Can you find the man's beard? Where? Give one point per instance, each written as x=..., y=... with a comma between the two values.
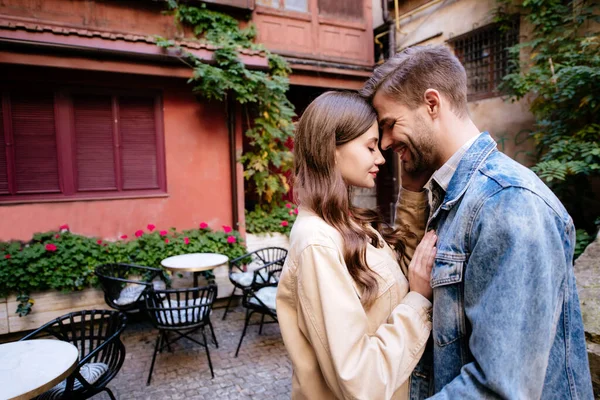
x=421, y=150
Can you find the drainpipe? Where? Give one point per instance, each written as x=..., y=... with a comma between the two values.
x=391, y=28
x=232, y=160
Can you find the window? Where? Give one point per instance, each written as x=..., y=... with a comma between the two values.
x=348, y=9
x=62, y=144
x=484, y=54
x=288, y=5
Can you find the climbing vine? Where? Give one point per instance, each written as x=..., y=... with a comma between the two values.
x=559, y=71
x=264, y=93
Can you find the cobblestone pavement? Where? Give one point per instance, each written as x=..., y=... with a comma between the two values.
x=261, y=371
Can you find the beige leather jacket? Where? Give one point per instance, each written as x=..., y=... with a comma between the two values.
x=338, y=349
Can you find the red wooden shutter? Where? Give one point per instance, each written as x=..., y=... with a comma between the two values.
x=36, y=166
x=137, y=124
x=3, y=164
x=94, y=150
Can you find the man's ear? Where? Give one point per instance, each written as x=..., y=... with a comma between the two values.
x=433, y=100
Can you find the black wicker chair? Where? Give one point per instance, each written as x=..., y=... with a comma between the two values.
x=121, y=291
x=96, y=333
x=183, y=312
x=259, y=297
x=241, y=269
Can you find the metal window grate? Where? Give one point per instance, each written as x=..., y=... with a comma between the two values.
x=484, y=54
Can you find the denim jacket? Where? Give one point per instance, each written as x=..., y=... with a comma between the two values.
x=506, y=315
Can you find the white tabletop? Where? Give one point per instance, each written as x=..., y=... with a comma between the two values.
x=31, y=367
x=194, y=262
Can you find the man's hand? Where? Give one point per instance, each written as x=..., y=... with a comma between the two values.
x=414, y=181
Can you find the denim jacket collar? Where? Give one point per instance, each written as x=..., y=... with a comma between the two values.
x=470, y=162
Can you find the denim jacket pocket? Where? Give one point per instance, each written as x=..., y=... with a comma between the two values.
x=446, y=281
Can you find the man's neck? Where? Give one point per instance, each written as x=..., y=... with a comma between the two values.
x=457, y=134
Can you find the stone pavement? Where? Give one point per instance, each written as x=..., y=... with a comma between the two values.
x=261, y=371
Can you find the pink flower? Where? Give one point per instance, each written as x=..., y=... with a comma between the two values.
x=151, y=227
x=231, y=239
x=7, y=256
x=203, y=225
x=51, y=247
x=291, y=212
x=167, y=241
x=56, y=236
x=139, y=233
x=226, y=228
x=186, y=240
x=288, y=205
x=123, y=236
x=163, y=233
x=284, y=223
x=99, y=241
x=64, y=227
x=296, y=211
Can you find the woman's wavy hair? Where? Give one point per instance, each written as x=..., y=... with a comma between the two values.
x=332, y=119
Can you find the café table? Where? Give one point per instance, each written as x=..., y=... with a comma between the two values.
x=29, y=368
x=194, y=262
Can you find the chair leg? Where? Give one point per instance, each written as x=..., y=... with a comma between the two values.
x=110, y=393
x=262, y=320
x=248, y=315
x=228, y=303
x=212, y=332
x=166, y=339
x=158, y=340
x=208, y=354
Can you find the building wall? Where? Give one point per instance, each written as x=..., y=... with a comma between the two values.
x=197, y=170
x=141, y=18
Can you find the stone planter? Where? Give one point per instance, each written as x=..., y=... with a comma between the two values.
x=259, y=241
x=48, y=305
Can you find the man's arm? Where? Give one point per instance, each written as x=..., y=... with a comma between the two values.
x=513, y=291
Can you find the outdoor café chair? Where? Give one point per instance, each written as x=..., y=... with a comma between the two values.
x=96, y=334
x=241, y=269
x=259, y=296
x=182, y=312
x=124, y=285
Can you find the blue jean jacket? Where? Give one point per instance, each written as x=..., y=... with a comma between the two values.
x=506, y=315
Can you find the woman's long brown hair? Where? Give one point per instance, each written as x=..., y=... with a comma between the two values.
x=332, y=119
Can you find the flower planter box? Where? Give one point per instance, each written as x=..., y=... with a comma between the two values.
x=259, y=241
x=48, y=305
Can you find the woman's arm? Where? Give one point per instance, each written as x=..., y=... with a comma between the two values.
x=412, y=210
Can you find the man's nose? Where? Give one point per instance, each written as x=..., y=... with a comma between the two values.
x=386, y=141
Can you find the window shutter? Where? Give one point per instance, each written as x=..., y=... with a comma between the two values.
x=34, y=135
x=137, y=124
x=94, y=152
x=3, y=162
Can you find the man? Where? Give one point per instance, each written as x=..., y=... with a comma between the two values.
x=506, y=316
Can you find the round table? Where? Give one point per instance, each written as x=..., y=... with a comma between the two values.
x=31, y=367
x=194, y=262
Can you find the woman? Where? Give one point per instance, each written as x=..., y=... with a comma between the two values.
x=349, y=322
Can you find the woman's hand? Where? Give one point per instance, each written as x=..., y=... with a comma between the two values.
x=419, y=270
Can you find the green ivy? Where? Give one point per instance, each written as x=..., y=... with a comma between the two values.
x=560, y=69
x=65, y=261
x=264, y=92
x=278, y=219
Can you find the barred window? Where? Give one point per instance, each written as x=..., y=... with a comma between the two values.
x=484, y=54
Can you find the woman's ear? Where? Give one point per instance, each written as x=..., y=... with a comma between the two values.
x=433, y=100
